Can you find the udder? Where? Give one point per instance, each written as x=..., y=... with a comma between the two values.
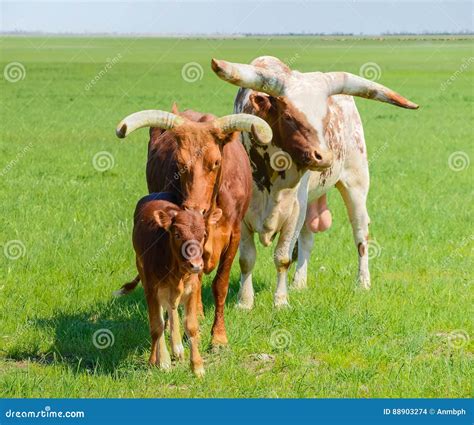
x=318, y=216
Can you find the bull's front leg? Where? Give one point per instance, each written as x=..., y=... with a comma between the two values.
x=284, y=250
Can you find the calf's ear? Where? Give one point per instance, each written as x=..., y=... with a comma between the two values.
x=163, y=218
x=215, y=216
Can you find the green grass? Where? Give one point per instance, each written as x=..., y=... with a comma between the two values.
x=75, y=224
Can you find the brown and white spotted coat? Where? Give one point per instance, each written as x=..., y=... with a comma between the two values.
x=317, y=129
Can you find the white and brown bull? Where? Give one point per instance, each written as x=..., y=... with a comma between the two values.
x=318, y=142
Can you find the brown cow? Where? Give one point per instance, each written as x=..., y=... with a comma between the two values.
x=168, y=243
x=201, y=161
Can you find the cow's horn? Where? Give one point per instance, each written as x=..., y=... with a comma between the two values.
x=260, y=130
x=346, y=83
x=149, y=118
x=250, y=76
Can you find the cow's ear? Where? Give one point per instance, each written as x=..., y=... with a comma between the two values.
x=163, y=218
x=215, y=216
x=261, y=103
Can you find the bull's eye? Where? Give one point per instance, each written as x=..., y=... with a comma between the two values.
x=176, y=236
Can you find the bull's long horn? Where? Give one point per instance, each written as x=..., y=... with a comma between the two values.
x=346, y=83
x=149, y=118
x=250, y=76
x=260, y=130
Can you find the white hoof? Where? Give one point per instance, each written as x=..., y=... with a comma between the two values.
x=364, y=282
x=178, y=351
x=299, y=285
x=199, y=371
x=244, y=305
x=281, y=301
x=165, y=365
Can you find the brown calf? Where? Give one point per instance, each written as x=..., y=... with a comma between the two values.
x=200, y=160
x=168, y=243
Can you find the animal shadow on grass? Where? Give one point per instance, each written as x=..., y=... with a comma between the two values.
x=100, y=339
x=96, y=340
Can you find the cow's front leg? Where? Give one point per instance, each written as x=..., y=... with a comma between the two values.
x=284, y=250
x=248, y=256
x=355, y=198
x=220, y=288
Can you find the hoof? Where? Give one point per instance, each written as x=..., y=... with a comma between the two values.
x=219, y=340
x=281, y=301
x=244, y=305
x=364, y=282
x=165, y=365
x=178, y=352
x=198, y=371
x=299, y=285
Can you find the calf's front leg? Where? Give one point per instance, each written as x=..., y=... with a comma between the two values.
x=159, y=353
x=191, y=327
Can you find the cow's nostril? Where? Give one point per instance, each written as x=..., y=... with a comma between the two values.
x=317, y=156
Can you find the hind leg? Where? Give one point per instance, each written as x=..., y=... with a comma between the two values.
x=355, y=198
x=305, y=243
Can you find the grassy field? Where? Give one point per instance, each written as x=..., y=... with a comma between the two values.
x=66, y=209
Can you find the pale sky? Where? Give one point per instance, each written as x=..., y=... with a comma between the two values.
x=233, y=17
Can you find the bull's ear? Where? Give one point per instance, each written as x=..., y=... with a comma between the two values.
x=215, y=216
x=163, y=218
x=261, y=103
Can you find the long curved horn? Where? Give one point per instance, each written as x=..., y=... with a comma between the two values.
x=259, y=128
x=249, y=76
x=149, y=118
x=346, y=83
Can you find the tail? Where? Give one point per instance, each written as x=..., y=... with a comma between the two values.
x=127, y=288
